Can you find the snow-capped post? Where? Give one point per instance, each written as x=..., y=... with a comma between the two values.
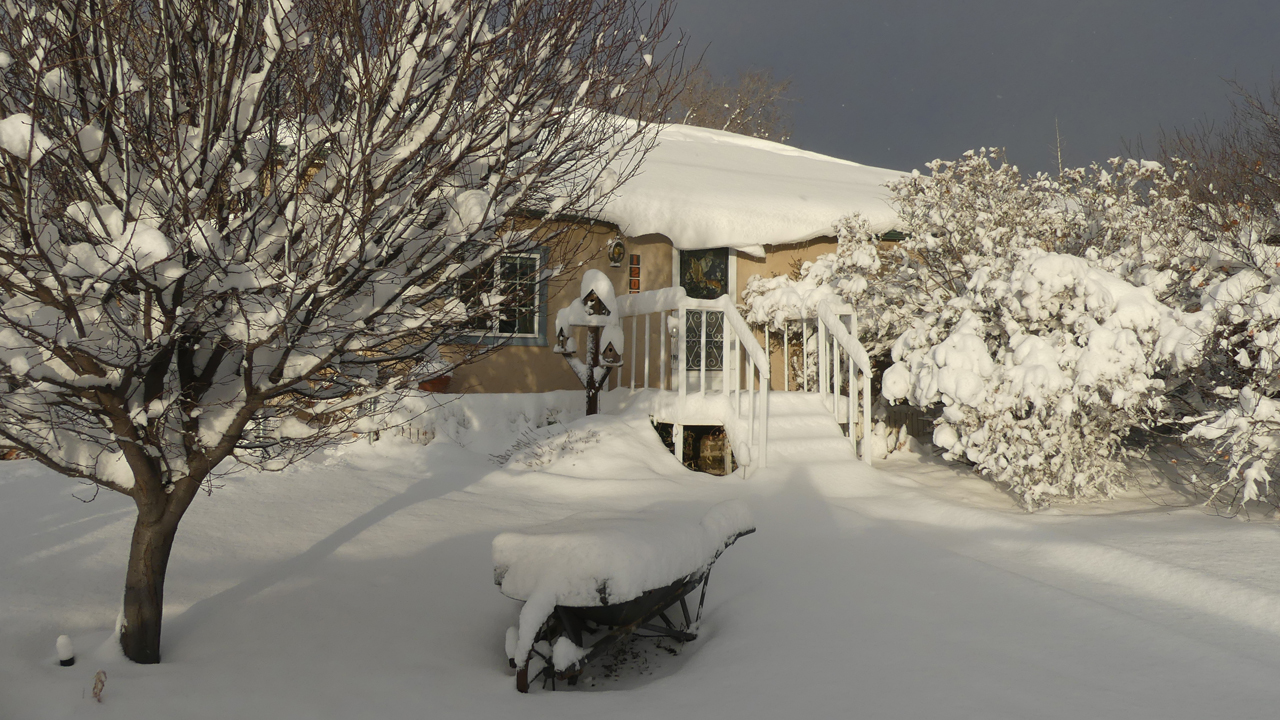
x=596, y=310
x=227, y=228
x=66, y=653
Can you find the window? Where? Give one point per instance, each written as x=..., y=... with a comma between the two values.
x=517, y=279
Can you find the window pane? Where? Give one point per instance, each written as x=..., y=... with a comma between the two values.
x=519, y=283
x=470, y=289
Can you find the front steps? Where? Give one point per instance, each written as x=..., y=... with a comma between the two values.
x=802, y=429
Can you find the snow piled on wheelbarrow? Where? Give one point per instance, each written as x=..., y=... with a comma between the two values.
x=592, y=559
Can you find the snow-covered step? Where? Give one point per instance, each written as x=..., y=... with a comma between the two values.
x=802, y=429
x=812, y=450
x=786, y=428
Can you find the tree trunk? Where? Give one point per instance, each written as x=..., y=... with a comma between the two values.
x=144, y=588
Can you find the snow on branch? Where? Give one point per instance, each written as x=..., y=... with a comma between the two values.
x=240, y=228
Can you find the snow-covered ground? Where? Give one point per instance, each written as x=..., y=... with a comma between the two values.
x=359, y=584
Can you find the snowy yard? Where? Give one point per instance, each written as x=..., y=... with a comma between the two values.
x=360, y=584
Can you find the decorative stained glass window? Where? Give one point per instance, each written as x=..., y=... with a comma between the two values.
x=704, y=274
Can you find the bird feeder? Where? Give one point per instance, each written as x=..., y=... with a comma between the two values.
x=595, y=310
x=609, y=357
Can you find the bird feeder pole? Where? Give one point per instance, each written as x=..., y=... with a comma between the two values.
x=604, y=336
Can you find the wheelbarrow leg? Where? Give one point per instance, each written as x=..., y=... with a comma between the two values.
x=522, y=678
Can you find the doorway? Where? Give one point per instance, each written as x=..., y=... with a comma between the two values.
x=704, y=275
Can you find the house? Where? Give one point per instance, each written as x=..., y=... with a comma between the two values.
x=707, y=211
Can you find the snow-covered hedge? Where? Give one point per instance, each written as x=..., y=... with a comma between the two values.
x=1041, y=371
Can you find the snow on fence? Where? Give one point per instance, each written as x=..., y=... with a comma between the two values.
x=833, y=363
x=842, y=357
x=658, y=357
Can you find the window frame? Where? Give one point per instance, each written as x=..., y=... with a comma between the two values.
x=538, y=338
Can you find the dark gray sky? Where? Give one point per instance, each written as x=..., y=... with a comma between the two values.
x=898, y=83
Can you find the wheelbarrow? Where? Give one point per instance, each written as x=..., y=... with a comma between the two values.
x=577, y=627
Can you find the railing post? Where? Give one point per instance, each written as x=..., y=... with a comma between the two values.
x=733, y=368
x=764, y=422
x=702, y=355
x=835, y=374
x=648, y=333
x=822, y=360
x=786, y=355
x=635, y=340
x=852, y=408
x=866, y=415
x=664, y=357
x=683, y=352
x=804, y=353
x=767, y=355
x=751, y=399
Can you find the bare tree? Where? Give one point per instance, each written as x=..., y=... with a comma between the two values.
x=1235, y=162
x=235, y=228
x=754, y=104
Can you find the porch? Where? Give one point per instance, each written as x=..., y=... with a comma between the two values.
x=696, y=362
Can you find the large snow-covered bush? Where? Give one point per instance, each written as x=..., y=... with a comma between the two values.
x=978, y=213
x=1211, y=366
x=1040, y=371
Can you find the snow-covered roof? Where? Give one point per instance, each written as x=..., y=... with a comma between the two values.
x=707, y=188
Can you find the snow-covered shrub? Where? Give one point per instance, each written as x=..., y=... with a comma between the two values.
x=969, y=214
x=536, y=447
x=1244, y=442
x=1217, y=260
x=1231, y=173
x=1232, y=294
x=1041, y=372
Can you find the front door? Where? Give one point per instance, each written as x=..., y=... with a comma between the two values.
x=704, y=274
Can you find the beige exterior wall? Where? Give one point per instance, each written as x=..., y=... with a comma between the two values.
x=537, y=369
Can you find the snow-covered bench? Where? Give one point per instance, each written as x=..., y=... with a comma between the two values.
x=591, y=579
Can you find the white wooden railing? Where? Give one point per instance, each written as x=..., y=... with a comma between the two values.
x=833, y=364
x=844, y=368
x=657, y=354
